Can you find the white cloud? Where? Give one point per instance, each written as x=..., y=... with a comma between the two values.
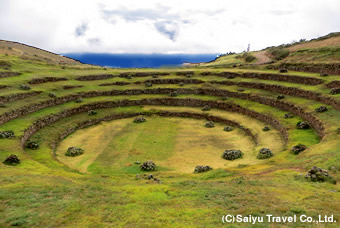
x=173, y=26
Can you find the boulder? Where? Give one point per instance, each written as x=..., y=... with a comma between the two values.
x=209, y=124
x=32, y=145
x=321, y=109
x=302, y=125
x=74, y=151
x=202, y=169
x=139, y=119
x=316, y=174
x=232, y=154
x=266, y=128
x=228, y=128
x=298, y=148
x=148, y=166
x=12, y=160
x=265, y=153
x=280, y=97
x=6, y=134
x=205, y=108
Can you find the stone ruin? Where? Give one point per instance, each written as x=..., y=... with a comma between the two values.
x=74, y=151
x=232, y=154
x=265, y=153
x=316, y=174
x=148, y=166
x=11, y=160
x=202, y=169
x=298, y=148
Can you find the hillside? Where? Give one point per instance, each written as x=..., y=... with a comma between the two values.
x=317, y=55
x=77, y=141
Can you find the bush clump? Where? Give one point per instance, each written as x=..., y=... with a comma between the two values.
x=181, y=84
x=52, y=95
x=173, y=94
x=32, y=145
x=25, y=87
x=232, y=154
x=148, y=166
x=266, y=128
x=335, y=91
x=265, y=153
x=209, y=124
x=280, y=97
x=228, y=128
x=316, y=174
x=321, y=109
x=288, y=115
x=148, y=84
x=139, y=119
x=11, y=160
x=283, y=70
x=298, y=148
x=278, y=53
x=202, y=169
x=92, y=113
x=205, y=108
x=79, y=100
x=6, y=134
x=74, y=151
x=302, y=125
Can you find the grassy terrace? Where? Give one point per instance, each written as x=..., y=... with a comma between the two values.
x=100, y=188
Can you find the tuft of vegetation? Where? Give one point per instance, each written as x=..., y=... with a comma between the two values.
x=278, y=53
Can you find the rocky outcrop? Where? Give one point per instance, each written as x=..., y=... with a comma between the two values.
x=45, y=79
x=12, y=160
x=317, y=174
x=148, y=166
x=232, y=154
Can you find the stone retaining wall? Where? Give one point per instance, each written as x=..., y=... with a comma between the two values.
x=46, y=79
x=95, y=77
x=18, y=96
x=8, y=74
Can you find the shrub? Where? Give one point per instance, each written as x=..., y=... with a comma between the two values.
x=278, y=53
x=283, y=70
x=302, y=125
x=323, y=74
x=298, y=148
x=249, y=58
x=209, y=124
x=321, y=109
x=11, y=160
x=288, y=115
x=79, y=100
x=92, y=113
x=232, y=154
x=266, y=128
x=52, y=95
x=228, y=128
x=240, y=90
x=32, y=145
x=265, y=153
x=139, y=119
x=154, y=76
x=74, y=151
x=173, y=94
x=316, y=174
x=201, y=169
x=181, y=84
x=205, y=108
x=280, y=97
x=148, y=166
x=6, y=134
x=148, y=84
x=25, y=87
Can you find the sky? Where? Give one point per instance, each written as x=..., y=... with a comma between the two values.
x=165, y=26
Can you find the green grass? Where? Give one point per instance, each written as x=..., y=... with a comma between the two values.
x=100, y=189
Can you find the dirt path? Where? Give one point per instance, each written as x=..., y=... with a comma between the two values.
x=261, y=57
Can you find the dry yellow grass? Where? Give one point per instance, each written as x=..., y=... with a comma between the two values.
x=331, y=42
